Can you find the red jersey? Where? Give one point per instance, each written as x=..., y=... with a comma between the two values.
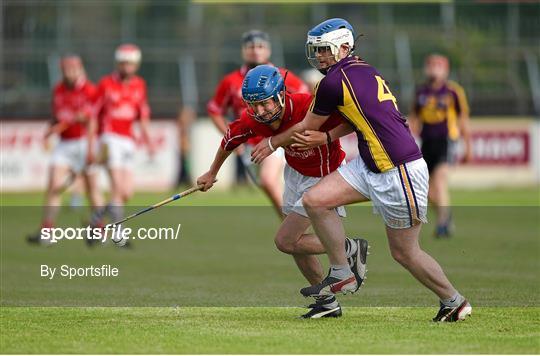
x=120, y=103
x=315, y=162
x=229, y=94
x=68, y=103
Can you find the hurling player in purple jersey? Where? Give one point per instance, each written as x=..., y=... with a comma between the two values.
x=389, y=171
x=440, y=116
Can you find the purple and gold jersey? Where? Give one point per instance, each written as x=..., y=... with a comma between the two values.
x=360, y=94
x=438, y=109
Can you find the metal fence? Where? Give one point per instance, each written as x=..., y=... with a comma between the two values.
x=494, y=48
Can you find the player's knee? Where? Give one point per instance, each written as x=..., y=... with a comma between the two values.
x=283, y=244
x=401, y=257
x=310, y=201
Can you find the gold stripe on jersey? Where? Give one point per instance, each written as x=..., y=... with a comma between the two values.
x=453, y=116
x=462, y=98
x=312, y=105
x=452, y=123
x=352, y=110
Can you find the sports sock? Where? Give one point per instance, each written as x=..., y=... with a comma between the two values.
x=327, y=301
x=453, y=301
x=97, y=216
x=116, y=212
x=47, y=224
x=340, y=271
x=350, y=247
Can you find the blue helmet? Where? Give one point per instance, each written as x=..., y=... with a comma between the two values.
x=330, y=34
x=260, y=84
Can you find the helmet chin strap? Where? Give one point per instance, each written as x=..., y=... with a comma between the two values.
x=277, y=115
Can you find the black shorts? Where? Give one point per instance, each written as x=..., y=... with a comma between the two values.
x=437, y=151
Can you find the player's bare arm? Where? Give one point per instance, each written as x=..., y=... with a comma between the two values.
x=220, y=122
x=464, y=128
x=145, y=132
x=208, y=179
x=414, y=123
x=312, y=138
x=91, y=132
x=266, y=147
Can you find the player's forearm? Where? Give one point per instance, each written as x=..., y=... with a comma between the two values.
x=464, y=127
x=340, y=131
x=414, y=124
x=310, y=122
x=91, y=133
x=219, y=159
x=145, y=130
x=285, y=138
x=56, y=128
x=220, y=123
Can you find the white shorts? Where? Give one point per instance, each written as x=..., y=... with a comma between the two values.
x=399, y=195
x=70, y=153
x=296, y=184
x=119, y=150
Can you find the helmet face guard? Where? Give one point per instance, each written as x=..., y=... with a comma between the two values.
x=312, y=49
x=268, y=116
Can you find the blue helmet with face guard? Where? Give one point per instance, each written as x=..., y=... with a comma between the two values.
x=260, y=84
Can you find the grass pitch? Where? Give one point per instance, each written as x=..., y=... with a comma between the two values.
x=224, y=288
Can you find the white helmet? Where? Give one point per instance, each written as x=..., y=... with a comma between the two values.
x=128, y=53
x=331, y=33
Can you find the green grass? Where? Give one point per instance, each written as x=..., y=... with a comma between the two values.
x=265, y=330
x=224, y=288
x=250, y=196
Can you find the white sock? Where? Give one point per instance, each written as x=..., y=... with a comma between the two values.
x=340, y=271
x=453, y=301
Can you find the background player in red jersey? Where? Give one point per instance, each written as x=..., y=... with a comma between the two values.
x=270, y=111
x=440, y=115
x=122, y=100
x=74, y=122
x=256, y=50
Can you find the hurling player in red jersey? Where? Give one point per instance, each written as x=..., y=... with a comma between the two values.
x=256, y=50
x=272, y=110
x=121, y=101
x=74, y=123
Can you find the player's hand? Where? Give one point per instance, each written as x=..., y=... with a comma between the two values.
x=151, y=151
x=90, y=158
x=261, y=151
x=308, y=139
x=80, y=117
x=47, y=142
x=467, y=157
x=207, y=180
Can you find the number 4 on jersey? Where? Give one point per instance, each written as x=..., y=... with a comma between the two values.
x=384, y=92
